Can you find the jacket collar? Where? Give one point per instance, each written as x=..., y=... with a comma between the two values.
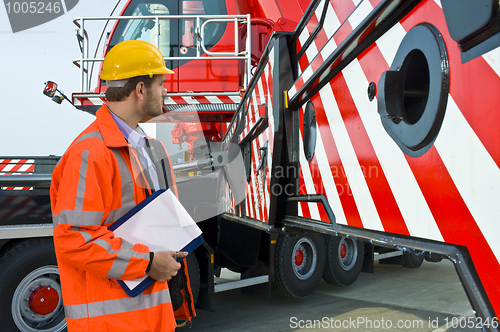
x=111, y=134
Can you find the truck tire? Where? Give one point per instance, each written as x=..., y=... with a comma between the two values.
x=299, y=263
x=412, y=260
x=344, y=260
x=30, y=288
x=433, y=258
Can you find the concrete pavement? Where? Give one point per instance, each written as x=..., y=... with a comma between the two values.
x=392, y=299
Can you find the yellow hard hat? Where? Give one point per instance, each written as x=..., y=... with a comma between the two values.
x=133, y=58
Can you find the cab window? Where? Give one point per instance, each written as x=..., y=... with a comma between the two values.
x=174, y=33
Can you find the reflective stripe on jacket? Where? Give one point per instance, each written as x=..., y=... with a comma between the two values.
x=98, y=180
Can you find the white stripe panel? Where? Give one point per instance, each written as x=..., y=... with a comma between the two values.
x=213, y=99
x=248, y=116
x=236, y=99
x=256, y=104
x=354, y=174
x=25, y=167
x=190, y=100
x=262, y=98
x=308, y=72
x=473, y=171
x=311, y=52
x=304, y=165
x=262, y=194
x=8, y=167
x=330, y=26
x=329, y=182
x=360, y=13
x=493, y=59
x=438, y=3
x=361, y=193
x=270, y=110
x=94, y=100
x=265, y=138
x=250, y=186
x=404, y=186
x=250, y=208
x=331, y=23
x=328, y=49
x=308, y=182
x=388, y=44
x=257, y=202
x=270, y=133
x=2, y=166
x=270, y=61
x=304, y=35
x=255, y=162
x=319, y=10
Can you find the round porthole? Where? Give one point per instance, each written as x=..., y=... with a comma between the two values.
x=413, y=93
x=309, y=131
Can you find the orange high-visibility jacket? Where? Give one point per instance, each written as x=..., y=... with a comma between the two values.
x=99, y=179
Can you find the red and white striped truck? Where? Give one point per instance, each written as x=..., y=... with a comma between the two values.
x=321, y=132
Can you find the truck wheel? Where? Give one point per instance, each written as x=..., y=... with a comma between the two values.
x=30, y=288
x=344, y=260
x=299, y=264
x=194, y=275
x=412, y=260
x=433, y=258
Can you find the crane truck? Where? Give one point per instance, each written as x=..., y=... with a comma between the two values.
x=324, y=131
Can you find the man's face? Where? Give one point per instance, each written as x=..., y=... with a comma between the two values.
x=153, y=104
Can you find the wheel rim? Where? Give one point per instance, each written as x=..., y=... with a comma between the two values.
x=304, y=258
x=347, y=252
x=37, y=302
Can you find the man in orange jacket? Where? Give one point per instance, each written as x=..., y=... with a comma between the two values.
x=108, y=169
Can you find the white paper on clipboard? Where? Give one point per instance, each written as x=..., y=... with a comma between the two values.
x=162, y=224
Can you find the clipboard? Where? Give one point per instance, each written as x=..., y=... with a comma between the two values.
x=160, y=202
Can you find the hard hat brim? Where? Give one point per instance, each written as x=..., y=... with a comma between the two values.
x=132, y=58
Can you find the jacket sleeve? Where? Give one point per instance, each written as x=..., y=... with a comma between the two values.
x=82, y=196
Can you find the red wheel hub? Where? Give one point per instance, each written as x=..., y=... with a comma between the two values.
x=44, y=300
x=343, y=251
x=299, y=257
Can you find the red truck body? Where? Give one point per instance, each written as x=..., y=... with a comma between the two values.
x=356, y=126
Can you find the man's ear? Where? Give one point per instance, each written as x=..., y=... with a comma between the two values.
x=140, y=90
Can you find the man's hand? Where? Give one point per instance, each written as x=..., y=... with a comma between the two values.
x=164, y=265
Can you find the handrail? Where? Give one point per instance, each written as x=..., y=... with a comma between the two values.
x=170, y=94
x=199, y=36
x=26, y=180
x=202, y=33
